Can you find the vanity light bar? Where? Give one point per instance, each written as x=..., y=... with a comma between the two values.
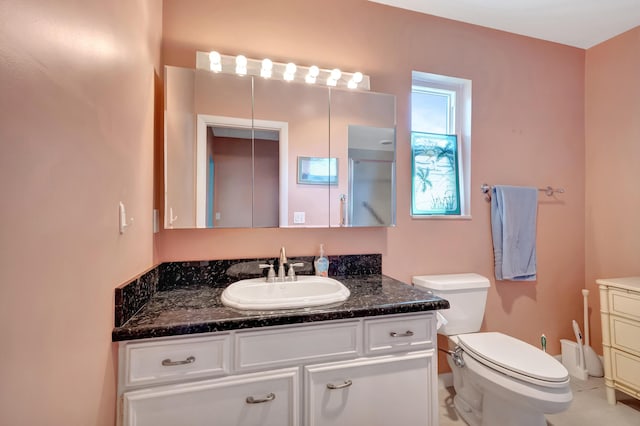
x=265, y=68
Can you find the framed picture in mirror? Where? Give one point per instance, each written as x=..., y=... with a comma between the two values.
x=317, y=171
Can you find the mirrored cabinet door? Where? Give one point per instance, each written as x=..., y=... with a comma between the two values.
x=208, y=149
x=179, y=148
x=300, y=114
x=363, y=138
x=225, y=150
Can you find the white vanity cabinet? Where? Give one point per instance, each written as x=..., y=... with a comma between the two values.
x=372, y=370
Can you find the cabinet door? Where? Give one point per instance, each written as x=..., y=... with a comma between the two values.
x=262, y=399
x=397, y=390
x=362, y=138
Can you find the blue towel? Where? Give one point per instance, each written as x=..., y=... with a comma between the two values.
x=513, y=227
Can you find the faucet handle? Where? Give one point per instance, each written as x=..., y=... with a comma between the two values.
x=271, y=275
x=292, y=273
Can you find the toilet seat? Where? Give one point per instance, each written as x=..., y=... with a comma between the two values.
x=514, y=358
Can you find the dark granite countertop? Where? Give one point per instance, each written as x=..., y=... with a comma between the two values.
x=198, y=309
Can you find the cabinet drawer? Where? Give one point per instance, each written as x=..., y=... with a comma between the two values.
x=405, y=333
x=625, y=304
x=625, y=335
x=625, y=369
x=294, y=345
x=170, y=360
x=266, y=399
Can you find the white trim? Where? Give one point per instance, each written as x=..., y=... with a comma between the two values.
x=443, y=217
x=204, y=121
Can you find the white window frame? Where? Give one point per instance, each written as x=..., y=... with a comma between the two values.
x=461, y=114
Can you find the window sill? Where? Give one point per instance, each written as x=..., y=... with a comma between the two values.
x=443, y=217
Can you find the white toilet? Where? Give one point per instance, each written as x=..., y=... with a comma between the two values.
x=499, y=380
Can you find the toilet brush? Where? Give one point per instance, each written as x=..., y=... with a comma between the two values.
x=581, y=363
x=591, y=358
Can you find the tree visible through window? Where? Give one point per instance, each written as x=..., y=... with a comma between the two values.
x=435, y=186
x=435, y=147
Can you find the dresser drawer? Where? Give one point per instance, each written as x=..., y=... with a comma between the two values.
x=625, y=335
x=294, y=345
x=178, y=359
x=404, y=333
x=625, y=369
x=624, y=303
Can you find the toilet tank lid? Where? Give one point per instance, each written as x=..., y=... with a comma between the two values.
x=449, y=282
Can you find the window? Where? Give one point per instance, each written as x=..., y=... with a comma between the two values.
x=440, y=145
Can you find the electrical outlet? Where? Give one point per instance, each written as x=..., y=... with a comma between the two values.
x=298, y=217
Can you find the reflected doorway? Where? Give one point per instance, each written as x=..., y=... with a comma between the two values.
x=241, y=172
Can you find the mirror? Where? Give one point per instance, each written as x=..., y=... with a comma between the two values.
x=245, y=152
x=363, y=134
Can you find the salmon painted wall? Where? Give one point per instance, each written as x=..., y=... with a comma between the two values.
x=612, y=173
x=528, y=129
x=77, y=120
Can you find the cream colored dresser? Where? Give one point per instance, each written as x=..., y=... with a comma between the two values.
x=620, y=313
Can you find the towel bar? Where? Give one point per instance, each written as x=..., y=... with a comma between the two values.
x=548, y=191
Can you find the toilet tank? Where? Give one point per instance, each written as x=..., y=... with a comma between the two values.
x=467, y=296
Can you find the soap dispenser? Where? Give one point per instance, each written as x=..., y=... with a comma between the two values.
x=322, y=263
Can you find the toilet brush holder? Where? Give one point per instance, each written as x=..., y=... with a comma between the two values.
x=571, y=359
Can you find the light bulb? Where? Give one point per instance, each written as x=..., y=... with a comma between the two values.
x=215, y=61
x=336, y=74
x=331, y=82
x=312, y=74
x=289, y=71
x=267, y=66
x=241, y=65
x=357, y=77
x=352, y=84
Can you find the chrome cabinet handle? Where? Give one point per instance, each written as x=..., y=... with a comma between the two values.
x=252, y=400
x=346, y=384
x=407, y=333
x=168, y=363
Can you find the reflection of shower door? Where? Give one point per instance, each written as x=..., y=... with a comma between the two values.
x=370, y=192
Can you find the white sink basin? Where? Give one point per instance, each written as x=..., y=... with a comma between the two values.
x=257, y=294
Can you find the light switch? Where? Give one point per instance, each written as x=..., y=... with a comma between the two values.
x=122, y=217
x=298, y=217
x=217, y=215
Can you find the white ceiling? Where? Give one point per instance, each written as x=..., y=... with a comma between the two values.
x=579, y=23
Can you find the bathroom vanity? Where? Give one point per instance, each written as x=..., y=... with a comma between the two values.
x=620, y=312
x=185, y=358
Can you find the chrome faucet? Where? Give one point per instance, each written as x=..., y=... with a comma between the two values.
x=281, y=264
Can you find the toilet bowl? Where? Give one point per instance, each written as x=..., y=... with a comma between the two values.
x=499, y=380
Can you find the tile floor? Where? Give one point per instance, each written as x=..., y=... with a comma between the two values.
x=589, y=407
